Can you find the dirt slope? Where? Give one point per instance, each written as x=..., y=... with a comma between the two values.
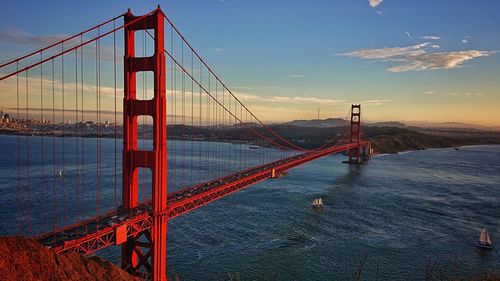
x=23, y=259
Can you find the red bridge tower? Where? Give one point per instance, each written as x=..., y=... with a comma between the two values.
x=147, y=251
x=355, y=133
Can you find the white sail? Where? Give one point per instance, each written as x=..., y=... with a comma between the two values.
x=317, y=202
x=484, y=237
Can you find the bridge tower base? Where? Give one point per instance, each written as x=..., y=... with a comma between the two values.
x=146, y=253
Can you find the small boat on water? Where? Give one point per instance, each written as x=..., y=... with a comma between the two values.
x=60, y=173
x=317, y=203
x=484, y=239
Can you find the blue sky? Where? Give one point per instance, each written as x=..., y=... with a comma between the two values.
x=403, y=60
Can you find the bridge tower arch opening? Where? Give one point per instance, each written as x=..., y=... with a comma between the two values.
x=146, y=252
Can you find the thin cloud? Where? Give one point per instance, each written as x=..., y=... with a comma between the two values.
x=430, y=37
x=17, y=36
x=445, y=60
x=13, y=35
x=296, y=75
x=219, y=50
x=374, y=102
x=456, y=94
x=374, y=3
x=388, y=53
x=417, y=57
x=468, y=94
x=409, y=35
x=286, y=99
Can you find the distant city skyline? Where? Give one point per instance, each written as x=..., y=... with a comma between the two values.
x=433, y=61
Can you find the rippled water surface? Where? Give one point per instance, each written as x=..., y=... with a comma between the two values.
x=397, y=210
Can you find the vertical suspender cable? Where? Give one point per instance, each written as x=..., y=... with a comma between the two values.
x=97, y=126
x=174, y=111
x=63, y=141
x=115, y=119
x=42, y=149
x=54, y=206
x=28, y=129
x=18, y=159
x=77, y=176
x=83, y=127
x=183, y=177
x=192, y=118
x=208, y=143
x=224, y=129
x=200, y=128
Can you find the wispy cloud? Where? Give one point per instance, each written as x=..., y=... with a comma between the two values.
x=466, y=94
x=288, y=99
x=417, y=57
x=456, y=94
x=374, y=3
x=219, y=49
x=374, y=102
x=17, y=36
x=296, y=75
x=408, y=35
x=13, y=35
x=429, y=37
x=388, y=53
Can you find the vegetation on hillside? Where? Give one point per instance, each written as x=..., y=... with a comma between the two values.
x=24, y=259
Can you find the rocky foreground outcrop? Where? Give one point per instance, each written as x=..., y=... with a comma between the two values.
x=24, y=259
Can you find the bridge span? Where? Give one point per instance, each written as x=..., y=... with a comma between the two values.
x=164, y=80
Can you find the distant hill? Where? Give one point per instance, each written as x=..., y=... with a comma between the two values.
x=451, y=125
x=319, y=123
x=338, y=122
x=394, y=124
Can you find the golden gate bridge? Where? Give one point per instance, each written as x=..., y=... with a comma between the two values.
x=145, y=71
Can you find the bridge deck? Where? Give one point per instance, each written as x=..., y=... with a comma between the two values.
x=99, y=232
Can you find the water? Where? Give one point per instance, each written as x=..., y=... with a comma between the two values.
x=398, y=210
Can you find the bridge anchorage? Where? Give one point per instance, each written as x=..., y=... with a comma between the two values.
x=217, y=146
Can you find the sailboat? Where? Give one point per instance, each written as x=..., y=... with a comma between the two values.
x=484, y=239
x=317, y=203
x=60, y=173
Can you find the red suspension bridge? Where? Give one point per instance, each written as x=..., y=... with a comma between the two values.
x=72, y=167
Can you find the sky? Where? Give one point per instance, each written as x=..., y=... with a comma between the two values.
x=427, y=60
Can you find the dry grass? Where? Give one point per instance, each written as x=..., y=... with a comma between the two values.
x=24, y=259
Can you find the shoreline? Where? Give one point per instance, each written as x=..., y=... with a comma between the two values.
x=384, y=150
